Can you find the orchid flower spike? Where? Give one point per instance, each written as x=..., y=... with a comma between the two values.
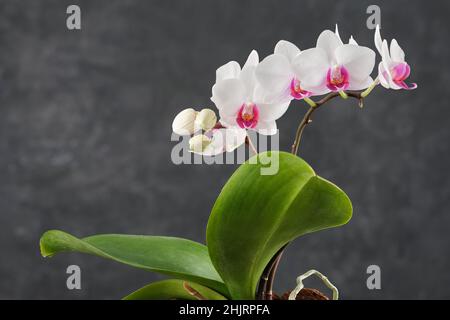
x=392, y=70
x=334, y=66
x=276, y=74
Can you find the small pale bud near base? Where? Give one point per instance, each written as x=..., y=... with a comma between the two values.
x=184, y=122
x=206, y=120
x=198, y=143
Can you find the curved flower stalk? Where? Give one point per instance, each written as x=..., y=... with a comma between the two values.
x=335, y=66
x=393, y=69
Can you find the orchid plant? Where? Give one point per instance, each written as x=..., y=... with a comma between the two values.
x=255, y=216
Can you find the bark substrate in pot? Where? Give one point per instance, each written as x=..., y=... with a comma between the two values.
x=304, y=294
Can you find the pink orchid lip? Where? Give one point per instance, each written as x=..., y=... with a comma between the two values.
x=400, y=72
x=296, y=90
x=337, y=78
x=248, y=116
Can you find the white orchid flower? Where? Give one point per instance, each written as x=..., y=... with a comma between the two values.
x=392, y=70
x=242, y=103
x=276, y=74
x=334, y=66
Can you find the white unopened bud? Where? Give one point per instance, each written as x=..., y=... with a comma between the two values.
x=184, y=122
x=198, y=143
x=206, y=120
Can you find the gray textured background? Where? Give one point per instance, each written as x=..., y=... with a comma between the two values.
x=85, y=124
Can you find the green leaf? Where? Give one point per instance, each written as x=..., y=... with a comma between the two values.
x=179, y=258
x=173, y=289
x=256, y=215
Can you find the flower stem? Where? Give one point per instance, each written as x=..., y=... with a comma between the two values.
x=343, y=94
x=310, y=102
x=366, y=92
x=298, y=135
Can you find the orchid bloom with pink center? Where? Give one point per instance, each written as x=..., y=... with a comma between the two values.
x=334, y=66
x=276, y=74
x=392, y=70
x=242, y=104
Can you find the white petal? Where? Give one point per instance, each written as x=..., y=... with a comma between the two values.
x=271, y=111
x=228, y=96
x=227, y=139
x=336, y=31
x=234, y=137
x=385, y=55
x=223, y=140
x=230, y=70
x=311, y=67
x=352, y=41
x=317, y=90
x=227, y=121
x=377, y=39
x=266, y=96
x=359, y=61
x=356, y=84
x=383, y=76
x=329, y=42
x=248, y=78
x=397, y=54
x=267, y=128
x=248, y=73
x=274, y=73
x=252, y=60
x=287, y=49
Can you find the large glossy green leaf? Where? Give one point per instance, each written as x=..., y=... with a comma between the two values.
x=173, y=289
x=255, y=215
x=179, y=258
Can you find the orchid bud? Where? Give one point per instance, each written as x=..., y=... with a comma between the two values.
x=198, y=143
x=184, y=122
x=206, y=119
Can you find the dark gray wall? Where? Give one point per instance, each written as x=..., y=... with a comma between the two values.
x=85, y=124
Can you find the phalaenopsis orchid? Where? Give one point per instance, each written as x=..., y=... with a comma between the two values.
x=255, y=215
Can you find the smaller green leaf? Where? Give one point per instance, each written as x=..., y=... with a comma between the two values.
x=173, y=289
x=176, y=257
